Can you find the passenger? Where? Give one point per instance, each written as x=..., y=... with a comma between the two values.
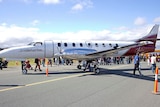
x=37, y=61
x=149, y=60
x=28, y=65
x=1, y=64
x=43, y=62
x=153, y=63
x=137, y=64
x=50, y=61
x=22, y=65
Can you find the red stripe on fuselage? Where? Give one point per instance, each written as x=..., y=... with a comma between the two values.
x=140, y=49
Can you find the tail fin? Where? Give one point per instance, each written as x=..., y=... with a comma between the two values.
x=152, y=35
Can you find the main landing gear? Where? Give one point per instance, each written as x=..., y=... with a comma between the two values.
x=91, y=65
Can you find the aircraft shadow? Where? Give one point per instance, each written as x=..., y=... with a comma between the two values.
x=127, y=73
x=11, y=85
x=103, y=71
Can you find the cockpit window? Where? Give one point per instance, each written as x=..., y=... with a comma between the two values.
x=35, y=43
x=31, y=43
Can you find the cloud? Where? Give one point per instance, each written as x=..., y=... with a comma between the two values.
x=35, y=22
x=4, y=24
x=122, y=28
x=157, y=20
x=13, y=41
x=14, y=35
x=27, y=1
x=50, y=1
x=82, y=4
x=77, y=4
x=140, y=21
x=77, y=7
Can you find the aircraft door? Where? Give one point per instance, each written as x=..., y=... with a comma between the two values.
x=49, y=49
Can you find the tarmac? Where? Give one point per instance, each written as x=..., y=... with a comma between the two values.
x=66, y=86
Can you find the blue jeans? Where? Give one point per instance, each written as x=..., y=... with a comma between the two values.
x=153, y=68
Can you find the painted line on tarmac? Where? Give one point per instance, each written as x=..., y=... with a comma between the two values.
x=43, y=82
x=118, y=66
x=53, y=80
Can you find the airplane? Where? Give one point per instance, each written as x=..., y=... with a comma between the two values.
x=82, y=50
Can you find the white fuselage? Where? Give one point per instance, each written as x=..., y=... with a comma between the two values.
x=78, y=50
x=67, y=49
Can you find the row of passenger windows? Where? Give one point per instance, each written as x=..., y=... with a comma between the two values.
x=81, y=45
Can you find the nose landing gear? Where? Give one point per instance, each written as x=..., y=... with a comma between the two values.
x=90, y=65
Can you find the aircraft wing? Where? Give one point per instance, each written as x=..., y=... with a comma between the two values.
x=112, y=51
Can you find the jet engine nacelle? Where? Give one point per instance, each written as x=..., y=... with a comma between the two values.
x=33, y=50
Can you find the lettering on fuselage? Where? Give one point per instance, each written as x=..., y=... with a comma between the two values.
x=31, y=50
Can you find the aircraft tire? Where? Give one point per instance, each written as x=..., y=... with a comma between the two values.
x=24, y=71
x=79, y=66
x=97, y=71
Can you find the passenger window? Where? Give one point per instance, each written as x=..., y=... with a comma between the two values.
x=103, y=45
x=59, y=44
x=89, y=44
x=110, y=44
x=96, y=44
x=73, y=44
x=65, y=44
x=81, y=45
x=117, y=45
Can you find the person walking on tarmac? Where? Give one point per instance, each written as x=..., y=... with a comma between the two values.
x=137, y=64
x=37, y=61
x=153, y=62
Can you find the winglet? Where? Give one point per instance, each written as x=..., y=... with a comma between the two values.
x=152, y=35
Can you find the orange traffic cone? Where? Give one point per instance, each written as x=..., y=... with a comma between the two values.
x=16, y=63
x=156, y=81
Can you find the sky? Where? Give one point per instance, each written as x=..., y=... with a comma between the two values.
x=24, y=21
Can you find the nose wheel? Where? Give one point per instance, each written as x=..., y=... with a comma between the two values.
x=96, y=70
x=92, y=66
x=24, y=71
